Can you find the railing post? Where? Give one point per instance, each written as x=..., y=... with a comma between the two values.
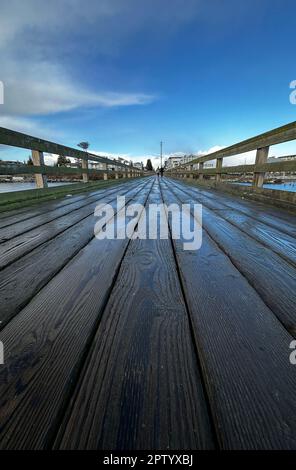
x=261, y=157
x=85, y=167
x=200, y=167
x=38, y=160
x=105, y=175
x=218, y=169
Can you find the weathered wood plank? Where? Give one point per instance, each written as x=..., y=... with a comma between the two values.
x=47, y=341
x=272, y=277
x=33, y=222
x=18, y=139
x=37, y=207
x=273, y=137
x=141, y=386
x=20, y=281
x=280, y=220
x=17, y=215
x=20, y=245
x=281, y=243
x=243, y=349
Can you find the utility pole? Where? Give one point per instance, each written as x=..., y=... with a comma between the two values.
x=161, y=153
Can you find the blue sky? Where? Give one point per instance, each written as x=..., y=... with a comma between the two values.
x=124, y=74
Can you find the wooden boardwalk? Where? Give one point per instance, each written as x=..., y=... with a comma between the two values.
x=138, y=344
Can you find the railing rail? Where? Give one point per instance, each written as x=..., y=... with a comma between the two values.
x=40, y=146
x=261, y=143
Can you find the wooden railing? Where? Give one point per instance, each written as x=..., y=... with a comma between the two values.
x=260, y=143
x=39, y=146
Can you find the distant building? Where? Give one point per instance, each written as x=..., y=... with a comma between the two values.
x=10, y=163
x=284, y=158
x=173, y=161
x=187, y=159
x=95, y=165
x=139, y=165
x=177, y=160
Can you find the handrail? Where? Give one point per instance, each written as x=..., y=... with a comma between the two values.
x=261, y=143
x=17, y=139
x=273, y=137
x=39, y=146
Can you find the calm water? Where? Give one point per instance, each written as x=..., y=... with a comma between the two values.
x=9, y=187
x=281, y=186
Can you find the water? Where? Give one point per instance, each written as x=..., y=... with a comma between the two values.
x=11, y=187
x=280, y=186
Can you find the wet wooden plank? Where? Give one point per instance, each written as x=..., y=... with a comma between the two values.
x=277, y=240
x=19, y=215
x=46, y=344
x=272, y=277
x=20, y=281
x=20, y=245
x=13, y=216
x=141, y=386
x=273, y=217
x=243, y=350
x=33, y=222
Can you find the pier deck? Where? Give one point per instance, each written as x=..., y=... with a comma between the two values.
x=140, y=344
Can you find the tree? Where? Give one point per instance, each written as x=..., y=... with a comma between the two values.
x=83, y=145
x=149, y=166
x=30, y=161
x=63, y=161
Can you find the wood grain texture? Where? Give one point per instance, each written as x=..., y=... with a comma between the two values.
x=35, y=221
x=273, y=137
x=141, y=387
x=280, y=220
x=272, y=277
x=46, y=343
x=243, y=349
x=20, y=281
x=20, y=245
x=280, y=242
x=19, y=215
x=133, y=345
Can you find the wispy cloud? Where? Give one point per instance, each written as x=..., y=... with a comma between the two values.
x=55, y=93
x=35, y=37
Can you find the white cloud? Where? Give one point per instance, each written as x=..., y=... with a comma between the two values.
x=110, y=21
x=43, y=89
x=35, y=39
x=18, y=124
x=31, y=127
x=36, y=36
x=50, y=159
